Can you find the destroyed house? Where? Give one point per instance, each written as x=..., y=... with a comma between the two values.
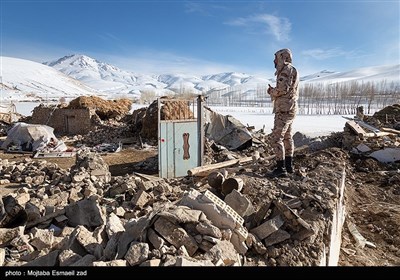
x=63, y=120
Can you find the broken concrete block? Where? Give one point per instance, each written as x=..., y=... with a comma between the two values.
x=60, y=242
x=118, y=189
x=253, y=241
x=241, y=232
x=66, y=231
x=42, y=238
x=119, y=211
x=85, y=212
x=49, y=259
x=22, y=198
x=239, y=203
x=171, y=250
x=100, y=235
x=135, y=230
x=211, y=206
x=182, y=251
x=59, y=200
x=182, y=214
x=205, y=245
x=223, y=250
x=86, y=260
x=8, y=234
x=68, y=257
x=32, y=211
x=169, y=260
x=238, y=243
x=303, y=228
x=146, y=185
x=110, y=251
x=162, y=188
x=267, y=228
x=211, y=239
x=101, y=174
x=73, y=244
x=141, y=198
x=89, y=190
x=175, y=235
x=206, y=228
x=86, y=239
x=75, y=195
x=137, y=253
x=226, y=234
x=113, y=225
x=276, y=237
x=155, y=239
x=4, y=181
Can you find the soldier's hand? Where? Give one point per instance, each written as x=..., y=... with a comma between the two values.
x=269, y=89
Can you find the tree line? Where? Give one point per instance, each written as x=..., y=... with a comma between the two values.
x=316, y=98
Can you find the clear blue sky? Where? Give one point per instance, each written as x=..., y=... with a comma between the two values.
x=205, y=37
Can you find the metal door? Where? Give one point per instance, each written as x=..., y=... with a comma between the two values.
x=178, y=147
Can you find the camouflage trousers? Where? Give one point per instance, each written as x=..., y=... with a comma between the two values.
x=282, y=138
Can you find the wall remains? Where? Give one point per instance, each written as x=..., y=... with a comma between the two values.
x=64, y=121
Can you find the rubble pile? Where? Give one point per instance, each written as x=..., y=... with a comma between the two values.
x=104, y=109
x=389, y=115
x=171, y=109
x=108, y=131
x=375, y=136
x=83, y=216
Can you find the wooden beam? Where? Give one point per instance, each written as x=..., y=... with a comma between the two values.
x=203, y=171
x=213, y=166
x=356, y=128
x=377, y=134
x=390, y=130
x=148, y=177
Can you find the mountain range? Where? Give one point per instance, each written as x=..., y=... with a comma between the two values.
x=76, y=75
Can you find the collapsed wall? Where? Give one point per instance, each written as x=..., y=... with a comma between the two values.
x=81, y=115
x=64, y=121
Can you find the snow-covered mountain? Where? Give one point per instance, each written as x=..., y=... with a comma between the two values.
x=24, y=80
x=77, y=75
x=112, y=80
x=387, y=73
x=106, y=78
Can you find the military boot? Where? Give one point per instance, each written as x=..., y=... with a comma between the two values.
x=289, y=164
x=279, y=171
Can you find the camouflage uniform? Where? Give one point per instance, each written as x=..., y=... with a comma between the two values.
x=284, y=97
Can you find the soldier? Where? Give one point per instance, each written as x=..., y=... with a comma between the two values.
x=284, y=97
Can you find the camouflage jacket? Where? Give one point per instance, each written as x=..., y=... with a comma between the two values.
x=286, y=92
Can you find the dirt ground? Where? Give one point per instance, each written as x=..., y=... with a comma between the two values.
x=373, y=205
